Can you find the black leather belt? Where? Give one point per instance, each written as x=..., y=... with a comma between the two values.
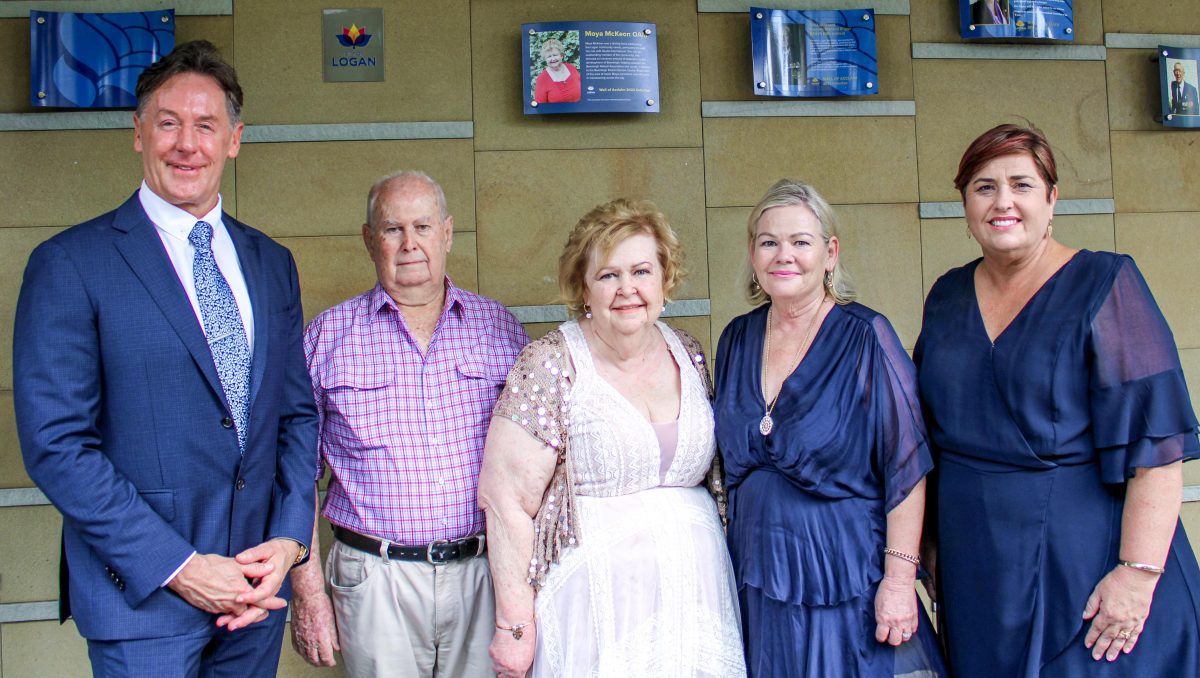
x=437, y=552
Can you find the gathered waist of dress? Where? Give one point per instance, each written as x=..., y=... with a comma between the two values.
x=1025, y=462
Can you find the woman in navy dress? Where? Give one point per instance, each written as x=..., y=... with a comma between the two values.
x=1060, y=417
x=825, y=455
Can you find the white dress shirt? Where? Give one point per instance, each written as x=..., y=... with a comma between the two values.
x=173, y=226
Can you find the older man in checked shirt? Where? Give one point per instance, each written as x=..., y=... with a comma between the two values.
x=405, y=378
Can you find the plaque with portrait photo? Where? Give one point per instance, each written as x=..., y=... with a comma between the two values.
x=1032, y=20
x=1179, y=81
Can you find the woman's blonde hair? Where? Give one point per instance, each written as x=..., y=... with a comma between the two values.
x=600, y=231
x=788, y=193
x=555, y=43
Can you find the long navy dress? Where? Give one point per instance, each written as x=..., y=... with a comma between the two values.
x=808, y=504
x=1035, y=435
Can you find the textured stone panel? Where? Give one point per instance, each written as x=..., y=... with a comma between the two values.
x=726, y=69
x=726, y=262
x=1133, y=90
x=881, y=248
x=335, y=268
x=959, y=100
x=1156, y=171
x=945, y=244
x=43, y=649
x=292, y=189
x=62, y=178
x=1165, y=247
x=29, y=541
x=851, y=160
x=15, y=247
x=500, y=123
x=427, y=67
x=528, y=202
x=1146, y=16
x=12, y=468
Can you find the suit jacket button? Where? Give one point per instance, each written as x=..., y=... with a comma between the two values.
x=227, y=422
x=240, y=484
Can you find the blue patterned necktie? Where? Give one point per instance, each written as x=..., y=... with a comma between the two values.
x=223, y=328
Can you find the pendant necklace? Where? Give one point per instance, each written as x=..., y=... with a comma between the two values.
x=767, y=424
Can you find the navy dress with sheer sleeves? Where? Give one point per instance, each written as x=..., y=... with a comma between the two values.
x=808, y=503
x=1035, y=435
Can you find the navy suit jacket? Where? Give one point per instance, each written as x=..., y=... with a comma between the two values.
x=1188, y=104
x=123, y=422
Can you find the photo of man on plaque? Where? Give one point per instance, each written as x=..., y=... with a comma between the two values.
x=1181, y=87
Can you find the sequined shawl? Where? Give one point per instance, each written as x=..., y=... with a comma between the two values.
x=537, y=396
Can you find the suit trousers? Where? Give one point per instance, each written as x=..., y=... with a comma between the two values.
x=412, y=619
x=210, y=652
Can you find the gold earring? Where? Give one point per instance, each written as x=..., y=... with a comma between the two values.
x=754, y=280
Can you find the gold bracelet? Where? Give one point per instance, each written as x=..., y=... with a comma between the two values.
x=518, y=630
x=903, y=556
x=1142, y=566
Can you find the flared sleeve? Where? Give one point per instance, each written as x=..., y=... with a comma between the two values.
x=1140, y=409
x=537, y=398
x=902, y=447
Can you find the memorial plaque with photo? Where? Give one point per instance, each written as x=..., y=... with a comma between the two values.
x=821, y=53
x=1048, y=20
x=589, y=67
x=1179, y=80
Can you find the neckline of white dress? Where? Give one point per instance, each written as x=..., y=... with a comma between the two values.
x=581, y=355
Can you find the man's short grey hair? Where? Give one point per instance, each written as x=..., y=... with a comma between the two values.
x=401, y=177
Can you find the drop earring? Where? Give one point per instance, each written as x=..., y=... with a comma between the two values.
x=587, y=312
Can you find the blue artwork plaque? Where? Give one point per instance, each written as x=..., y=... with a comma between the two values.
x=813, y=53
x=82, y=60
x=1028, y=19
x=1179, y=76
x=589, y=67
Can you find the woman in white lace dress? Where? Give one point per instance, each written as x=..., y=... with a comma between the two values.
x=606, y=545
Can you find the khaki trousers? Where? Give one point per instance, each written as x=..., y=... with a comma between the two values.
x=411, y=619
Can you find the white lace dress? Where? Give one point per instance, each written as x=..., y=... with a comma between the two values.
x=647, y=588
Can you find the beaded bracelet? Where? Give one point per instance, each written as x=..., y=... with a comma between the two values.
x=902, y=556
x=1153, y=569
x=517, y=630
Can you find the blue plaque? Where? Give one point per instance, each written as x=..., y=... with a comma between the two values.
x=82, y=60
x=813, y=53
x=589, y=67
x=1179, y=77
x=1027, y=19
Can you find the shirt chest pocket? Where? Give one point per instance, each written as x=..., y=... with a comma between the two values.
x=357, y=403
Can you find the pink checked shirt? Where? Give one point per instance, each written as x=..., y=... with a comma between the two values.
x=403, y=434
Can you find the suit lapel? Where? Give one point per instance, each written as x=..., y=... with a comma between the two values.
x=143, y=251
x=256, y=286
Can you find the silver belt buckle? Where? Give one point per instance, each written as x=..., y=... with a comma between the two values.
x=429, y=551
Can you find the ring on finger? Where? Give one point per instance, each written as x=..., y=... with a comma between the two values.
x=1125, y=634
x=906, y=635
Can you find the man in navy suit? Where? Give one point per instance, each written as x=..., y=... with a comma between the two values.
x=1183, y=94
x=163, y=404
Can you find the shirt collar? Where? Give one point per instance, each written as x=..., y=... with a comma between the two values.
x=172, y=220
x=379, y=299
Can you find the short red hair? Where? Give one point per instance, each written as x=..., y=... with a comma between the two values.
x=1004, y=140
